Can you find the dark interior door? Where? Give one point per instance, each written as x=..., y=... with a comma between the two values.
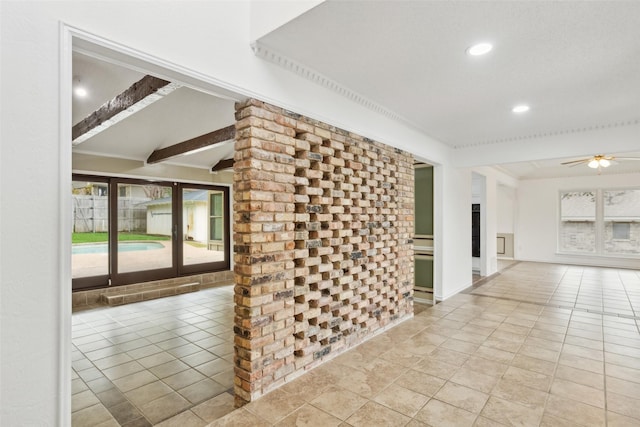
x=475, y=230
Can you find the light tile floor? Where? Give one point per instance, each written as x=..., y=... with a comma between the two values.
x=162, y=362
x=537, y=345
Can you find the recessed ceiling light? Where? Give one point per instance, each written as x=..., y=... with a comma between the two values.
x=479, y=49
x=520, y=108
x=80, y=92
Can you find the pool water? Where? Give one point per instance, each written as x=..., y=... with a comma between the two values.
x=103, y=248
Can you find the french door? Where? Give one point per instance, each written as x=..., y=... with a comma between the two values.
x=129, y=231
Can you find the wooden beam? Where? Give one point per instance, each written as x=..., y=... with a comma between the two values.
x=138, y=91
x=223, y=164
x=202, y=141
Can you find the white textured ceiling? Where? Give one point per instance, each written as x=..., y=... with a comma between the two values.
x=552, y=168
x=181, y=115
x=577, y=64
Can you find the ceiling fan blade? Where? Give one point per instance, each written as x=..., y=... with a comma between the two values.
x=575, y=161
x=577, y=164
x=626, y=158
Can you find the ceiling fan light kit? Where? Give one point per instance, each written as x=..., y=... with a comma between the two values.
x=599, y=162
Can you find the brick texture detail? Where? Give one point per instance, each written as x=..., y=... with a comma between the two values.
x=323, y=221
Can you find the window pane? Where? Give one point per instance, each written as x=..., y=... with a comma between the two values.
x=203, y=239
x=621, y=230
x=217, y=228
x=577, y=221
x=622, y=221
x=216, y=203
x=144, y=227
x=90, y=239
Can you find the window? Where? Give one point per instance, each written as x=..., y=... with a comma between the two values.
x=127, y=231
x=216, y=217
x=578, y=221
x=603, y=222
x=145, y=223
x=203, y=218
x=621, y=230
x=90, y=238
x=622, y=221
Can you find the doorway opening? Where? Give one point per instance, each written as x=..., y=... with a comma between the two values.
x=150, y=175
x=423, y=239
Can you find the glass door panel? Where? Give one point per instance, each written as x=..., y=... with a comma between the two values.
x=130, y=230
x=202, y=226
x=90, y=238
x=145, y=227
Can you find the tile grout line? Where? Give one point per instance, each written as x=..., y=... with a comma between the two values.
x=106, y=319
x=565, y=307
x=604, y=376
x=573, y=309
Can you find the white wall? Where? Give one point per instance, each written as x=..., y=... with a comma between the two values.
x=538, y=218
x=452, y=234
x=159, y=219
x=485, y=186
x=490, y=223
x=196, y=217
x=29, y=201
x=209, y=44
x=89, y=164
x=506, y=208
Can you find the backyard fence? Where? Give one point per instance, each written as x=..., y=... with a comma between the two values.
x=91, y=214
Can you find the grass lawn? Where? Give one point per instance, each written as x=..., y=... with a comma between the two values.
x=103, y=237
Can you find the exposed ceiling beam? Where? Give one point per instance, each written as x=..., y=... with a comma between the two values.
x=142, y=93
x=222, y=165
x=197, y=143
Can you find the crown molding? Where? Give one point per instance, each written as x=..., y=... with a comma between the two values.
x=581, y=175
x=273, y=56
x=270, y=55
x=632, y=122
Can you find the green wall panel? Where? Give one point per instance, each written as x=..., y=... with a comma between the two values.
x=424, y=200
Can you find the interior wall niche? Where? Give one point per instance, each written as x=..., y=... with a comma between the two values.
x=323, y=252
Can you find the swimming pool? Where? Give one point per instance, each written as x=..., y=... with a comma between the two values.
x=102, y=248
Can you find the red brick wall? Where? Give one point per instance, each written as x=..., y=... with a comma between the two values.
x=322, y=225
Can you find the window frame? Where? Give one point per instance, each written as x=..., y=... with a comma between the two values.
x=627, y=231
x=599, y=223
x=90, y=282
x=177, y=269
x=184, y=270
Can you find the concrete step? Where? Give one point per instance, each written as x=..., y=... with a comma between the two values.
x=125, y=297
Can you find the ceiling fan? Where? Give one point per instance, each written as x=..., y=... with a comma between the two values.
x=598, y=161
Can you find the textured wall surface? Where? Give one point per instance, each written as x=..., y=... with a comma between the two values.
x=323, y=252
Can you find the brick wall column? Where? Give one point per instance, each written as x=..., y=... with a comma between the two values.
x=323, y=221
x=264, y=178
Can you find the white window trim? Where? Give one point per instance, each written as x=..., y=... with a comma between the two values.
x=599, y=225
